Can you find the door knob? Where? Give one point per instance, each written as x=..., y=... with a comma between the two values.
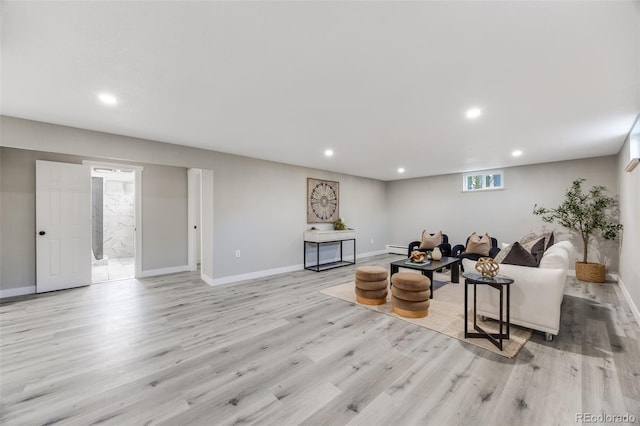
x=41, y=232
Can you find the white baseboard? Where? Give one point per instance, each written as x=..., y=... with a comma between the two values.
x=20, y=291
x=268, y=272
x=253, y=275
x=207, y=279
x=632, y=305
x=163, y=271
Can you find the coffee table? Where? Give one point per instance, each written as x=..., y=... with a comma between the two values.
x=429, y=267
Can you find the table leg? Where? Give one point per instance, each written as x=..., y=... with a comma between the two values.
x=455, y=273
x=501, y=318
x=429, y=274
x=508, y=309
x=394, y=270
x=466, y=309
x=475, y=316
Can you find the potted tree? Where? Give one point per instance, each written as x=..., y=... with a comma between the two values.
x=589, y=214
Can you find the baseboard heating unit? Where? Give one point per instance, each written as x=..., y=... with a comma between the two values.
x=396, y=249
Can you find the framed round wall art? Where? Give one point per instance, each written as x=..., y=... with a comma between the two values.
x=322, y=200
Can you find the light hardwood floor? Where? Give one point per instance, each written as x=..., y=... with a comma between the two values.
x=172, y=350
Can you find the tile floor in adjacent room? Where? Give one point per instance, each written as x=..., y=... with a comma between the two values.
x=114, y=269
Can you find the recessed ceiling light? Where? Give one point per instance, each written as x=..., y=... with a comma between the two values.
x=401, y=170
x=328, y=153
x=107, y=99
x=473, y=113
x=516, y=153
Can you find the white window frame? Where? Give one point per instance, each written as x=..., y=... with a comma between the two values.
x=484, y=174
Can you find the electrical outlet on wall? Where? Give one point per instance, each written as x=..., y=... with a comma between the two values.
x=237, y=253
x=371, y=240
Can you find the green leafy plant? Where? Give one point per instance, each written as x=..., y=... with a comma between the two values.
x=339, y=225
x=587, y=213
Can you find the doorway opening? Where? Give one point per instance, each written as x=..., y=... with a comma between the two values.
x=194, y=211
x=200, y=223
x=114, y=194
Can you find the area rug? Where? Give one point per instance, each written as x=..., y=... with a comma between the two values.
x=446, y=316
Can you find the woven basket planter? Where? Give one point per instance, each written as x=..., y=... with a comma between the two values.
x=591, y=272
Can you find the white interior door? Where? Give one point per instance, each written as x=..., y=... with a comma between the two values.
x=63, y=225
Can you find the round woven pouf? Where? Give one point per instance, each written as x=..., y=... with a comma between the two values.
x=410, y=294
x=371, y=285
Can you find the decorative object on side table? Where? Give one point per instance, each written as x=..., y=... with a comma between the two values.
x=436, y=254
x=418, y=256
x=589, y=214
x=339, y=225
x=487, y=267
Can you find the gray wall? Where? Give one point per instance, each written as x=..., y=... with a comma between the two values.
x=438, y=203
x=164, y=214
x=259, y=206
x=260, y=209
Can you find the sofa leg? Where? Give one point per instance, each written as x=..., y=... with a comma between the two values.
x=548, y=337
x=483, y=318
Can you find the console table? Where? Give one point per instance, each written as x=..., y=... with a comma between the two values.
x=324, y=237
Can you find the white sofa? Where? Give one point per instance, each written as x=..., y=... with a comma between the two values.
x=536, y=294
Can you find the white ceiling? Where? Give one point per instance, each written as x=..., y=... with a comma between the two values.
x=384, y=84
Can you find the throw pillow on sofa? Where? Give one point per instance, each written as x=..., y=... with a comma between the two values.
x=430, y=241
x=478, y=244
x=526, y=252
x=525, y=255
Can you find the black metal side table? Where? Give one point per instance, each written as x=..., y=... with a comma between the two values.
x=498, y=282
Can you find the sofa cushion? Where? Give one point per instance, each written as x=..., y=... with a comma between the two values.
x=549, y=240
x=478, y=244
x=566, y=246
x=536, y=248
x=528, y=238
x=506, y=248
x=556, y=257
x=430, y=241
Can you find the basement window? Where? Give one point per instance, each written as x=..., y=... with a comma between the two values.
x=483, y=181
